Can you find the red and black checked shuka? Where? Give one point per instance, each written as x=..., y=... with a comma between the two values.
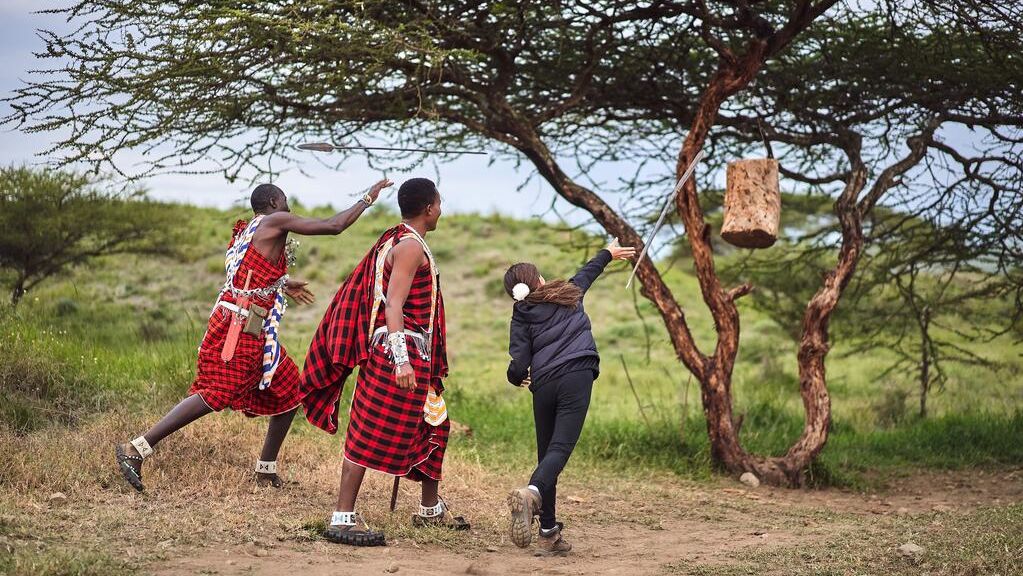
x=386, y=429
x=235, y=384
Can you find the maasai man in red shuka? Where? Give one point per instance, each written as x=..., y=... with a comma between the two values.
x=242, y=365
x=387, y=319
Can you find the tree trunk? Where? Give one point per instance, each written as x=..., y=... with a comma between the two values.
x=925, y=360
x=17, y=292
x=716, y=379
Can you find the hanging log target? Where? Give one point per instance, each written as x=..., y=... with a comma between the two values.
x=752, y=203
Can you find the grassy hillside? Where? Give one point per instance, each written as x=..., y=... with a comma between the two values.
x=122, y=335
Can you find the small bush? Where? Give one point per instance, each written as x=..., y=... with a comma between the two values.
x=66, y=307
x=890, y=409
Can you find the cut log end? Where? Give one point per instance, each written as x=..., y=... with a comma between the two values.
x=749, y=238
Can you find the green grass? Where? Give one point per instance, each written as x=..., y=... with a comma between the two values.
x=986, y=541
x=123, y=333
x=44, y=558
x=47, y=562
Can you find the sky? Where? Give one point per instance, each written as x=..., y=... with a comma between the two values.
x=468, y=184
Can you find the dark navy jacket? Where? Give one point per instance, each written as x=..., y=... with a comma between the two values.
x=546, y=336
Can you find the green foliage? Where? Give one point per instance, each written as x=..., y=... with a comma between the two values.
x=891, y=406
x=52, y=221
x=48, y=561
x=115, y=348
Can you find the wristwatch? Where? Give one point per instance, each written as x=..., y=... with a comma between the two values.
x=367, y=199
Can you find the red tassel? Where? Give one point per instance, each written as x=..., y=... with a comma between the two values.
x=239, y=227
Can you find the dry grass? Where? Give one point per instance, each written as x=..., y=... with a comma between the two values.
x=201, y=507
x=199, y=491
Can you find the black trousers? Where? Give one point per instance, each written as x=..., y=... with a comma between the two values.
x=559, y=410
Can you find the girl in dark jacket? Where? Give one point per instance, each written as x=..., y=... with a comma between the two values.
x=553, y=353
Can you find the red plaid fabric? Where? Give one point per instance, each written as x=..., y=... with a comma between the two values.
x=386, y=430
x=340, y=343
x=235, y=384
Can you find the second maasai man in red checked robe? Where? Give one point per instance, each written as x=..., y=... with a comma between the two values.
x=242, y=365
x=387, y=319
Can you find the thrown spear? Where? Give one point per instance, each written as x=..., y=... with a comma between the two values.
x=664, y=212
x=328, y=147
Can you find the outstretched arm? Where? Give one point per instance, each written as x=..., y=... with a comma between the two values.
x=336, y=224
x=592, y=269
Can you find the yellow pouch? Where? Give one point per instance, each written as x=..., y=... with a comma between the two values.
x=435, y=412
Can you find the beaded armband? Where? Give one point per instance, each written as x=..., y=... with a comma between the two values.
x=399, y=349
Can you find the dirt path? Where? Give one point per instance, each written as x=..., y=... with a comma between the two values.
x=201, y=514
x=658, y=528
x=626, y=548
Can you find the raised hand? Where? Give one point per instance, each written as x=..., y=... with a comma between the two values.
x=374, y=190
x=620, y=252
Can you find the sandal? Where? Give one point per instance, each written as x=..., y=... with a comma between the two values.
x=439, y=516
x=128, y=472
x=344, y=529
x=268, y=480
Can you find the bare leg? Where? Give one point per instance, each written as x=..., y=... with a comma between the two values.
x=430, y=491
x=276, y=432
x=359, y=533
x=184, y=413
x=351, y=480
x=187, y=411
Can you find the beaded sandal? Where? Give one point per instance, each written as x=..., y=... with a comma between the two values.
x=131, y=474
x=349, y=528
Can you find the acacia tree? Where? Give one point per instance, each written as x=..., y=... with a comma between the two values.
x=948, y=238
x=928, y=296
x=52, y=221
x=609, y=80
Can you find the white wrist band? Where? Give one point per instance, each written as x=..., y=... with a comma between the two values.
x=398, y=347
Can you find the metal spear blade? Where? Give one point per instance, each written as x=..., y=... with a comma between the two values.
x=664, y=212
